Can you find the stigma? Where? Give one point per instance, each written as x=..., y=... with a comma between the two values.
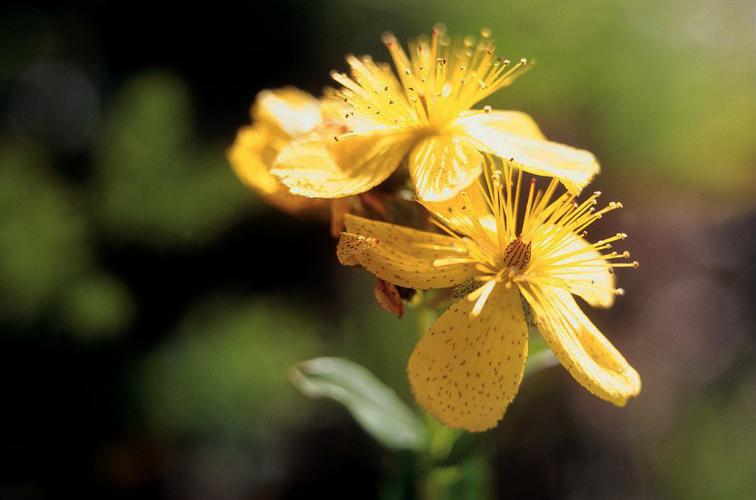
x=517, y=255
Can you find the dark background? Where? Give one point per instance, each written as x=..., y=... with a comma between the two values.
x=150, y=305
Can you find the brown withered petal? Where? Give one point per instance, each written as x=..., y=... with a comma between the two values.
x=388, y=297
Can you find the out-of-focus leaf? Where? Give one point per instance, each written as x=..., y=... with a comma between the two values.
x=375, y=407
x=158, y=182
x=95, y=306
x=43, y=235
x=223, y=373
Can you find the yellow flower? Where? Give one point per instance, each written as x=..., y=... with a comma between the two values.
x=467, y=368
x=421, y=113
x=278, y=117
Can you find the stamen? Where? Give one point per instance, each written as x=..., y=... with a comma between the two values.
x=435, y=79
x=551, y=234
x=482, y=295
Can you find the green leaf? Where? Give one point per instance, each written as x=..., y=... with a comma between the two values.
x=374, y=406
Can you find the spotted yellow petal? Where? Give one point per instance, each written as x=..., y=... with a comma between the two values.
x=402, y=256
x=581, y=348
x=574, y=167
x=466, y=370
x=290, y=110
x=443, y=165
x=326, y=168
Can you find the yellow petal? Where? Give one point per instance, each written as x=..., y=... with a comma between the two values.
x=325, y=168
x=466, y=370
x=586, y=274
x=420, y=244
x=443, y=165
x=292, y=111
x=403, y=256
x=251, y=155
x=461, y=211
x=581, y=348
x=573, y=167
x=513, y=122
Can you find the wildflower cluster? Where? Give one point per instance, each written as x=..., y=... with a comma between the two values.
x=508, y=244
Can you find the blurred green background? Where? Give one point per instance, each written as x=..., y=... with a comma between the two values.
x=150, y=306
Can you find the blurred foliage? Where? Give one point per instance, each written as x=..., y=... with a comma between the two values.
x=43, y=234
x=712, y=453
x=47, y=267
x=159, y=183
x=224, y=371
x=24, y=38
x=95, y=305
x=371, y=336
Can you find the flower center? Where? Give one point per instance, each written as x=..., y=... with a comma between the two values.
x=516, y=255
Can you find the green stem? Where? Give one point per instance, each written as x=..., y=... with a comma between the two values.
x=438, y=483
x=435, y=482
